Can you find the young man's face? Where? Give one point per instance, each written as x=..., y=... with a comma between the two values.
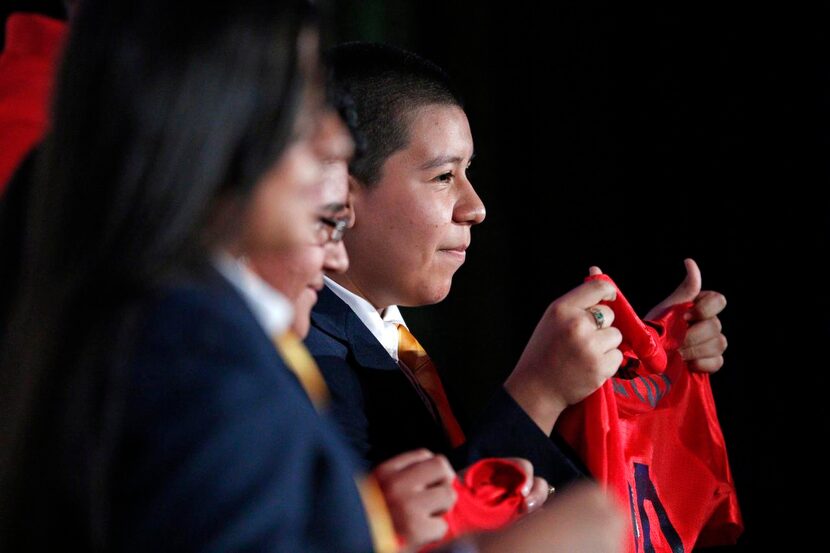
x=413, y=226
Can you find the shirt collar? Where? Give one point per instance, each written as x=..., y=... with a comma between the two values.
x=273, y=311
x=384, y=328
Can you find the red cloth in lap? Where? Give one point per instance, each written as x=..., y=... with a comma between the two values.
x=489, y=497
x=651, y=435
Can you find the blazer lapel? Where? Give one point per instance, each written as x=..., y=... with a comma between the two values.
x=334, y=317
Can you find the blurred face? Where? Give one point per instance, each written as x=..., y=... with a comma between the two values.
x=283, y=209
x=298, y=272
x=412, y=228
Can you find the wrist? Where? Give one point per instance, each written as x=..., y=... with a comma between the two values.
x=533, y=397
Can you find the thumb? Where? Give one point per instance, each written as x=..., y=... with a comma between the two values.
x=688, y=290
x=594, y=270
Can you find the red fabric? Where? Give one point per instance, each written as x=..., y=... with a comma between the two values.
x=27, y=65
x=651, y=436
x=489, y=497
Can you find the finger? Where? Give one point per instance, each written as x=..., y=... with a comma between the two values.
x=693, y=282
x=710, y=348
x=591, y=293
x=436, y=500
x=417, y=533
x=611, y=362
x=539, y=493
x=688, y=290
x=431, y=472
x=602, y=316
x=707, y=305
x=708, y=365
x=527, y=468
x=608, y=339
x=594, y=270
x=702, y=331
x=400, y=462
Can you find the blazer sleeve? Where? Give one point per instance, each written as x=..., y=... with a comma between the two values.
x=223, y=452
x=505, y=430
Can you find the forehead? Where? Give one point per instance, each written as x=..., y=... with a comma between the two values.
x=437, y=131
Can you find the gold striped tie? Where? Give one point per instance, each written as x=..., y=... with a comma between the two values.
x=302, y=364
x=414, y=359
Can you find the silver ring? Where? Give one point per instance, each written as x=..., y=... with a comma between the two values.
x=599, y=317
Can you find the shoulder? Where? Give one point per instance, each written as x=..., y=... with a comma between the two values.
x=207, y=318
x=216, y=424
x=322, y=343
x=202, y=339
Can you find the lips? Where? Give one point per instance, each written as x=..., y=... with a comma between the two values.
x=457, y=248
x=456, y=253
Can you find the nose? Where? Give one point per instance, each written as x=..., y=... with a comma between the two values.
x=469, y=209
x=336, y=259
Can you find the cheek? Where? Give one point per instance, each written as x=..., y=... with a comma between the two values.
x=418, y=223
x=427, y=230
x=282, y=205
x=309, y=264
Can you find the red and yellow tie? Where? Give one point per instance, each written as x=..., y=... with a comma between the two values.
x=422, y=372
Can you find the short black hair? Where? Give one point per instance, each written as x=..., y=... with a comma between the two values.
x=385, y=84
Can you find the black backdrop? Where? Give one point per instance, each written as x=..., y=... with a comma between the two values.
x=631, y=137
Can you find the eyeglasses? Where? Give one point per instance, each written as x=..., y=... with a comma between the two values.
x=330, y=230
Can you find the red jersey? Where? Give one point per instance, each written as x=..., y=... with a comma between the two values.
x=651, y=435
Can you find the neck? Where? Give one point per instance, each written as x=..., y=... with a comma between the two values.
x=346, y=281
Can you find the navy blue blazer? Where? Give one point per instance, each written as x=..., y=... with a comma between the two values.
x=381, y=415
x=222, y=450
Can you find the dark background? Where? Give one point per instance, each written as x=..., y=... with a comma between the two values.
x=631, y=137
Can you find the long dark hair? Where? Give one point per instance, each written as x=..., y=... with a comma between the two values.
x=162, y=111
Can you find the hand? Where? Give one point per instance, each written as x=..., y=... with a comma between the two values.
x=705, y=343
x=417, y=486
x=568, y=357
x=536, y=489
x=581, y=519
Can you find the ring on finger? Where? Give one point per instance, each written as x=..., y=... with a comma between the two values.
x=599, y=316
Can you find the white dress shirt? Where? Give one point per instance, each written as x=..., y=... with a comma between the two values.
x=273, y=311
x=384, y=328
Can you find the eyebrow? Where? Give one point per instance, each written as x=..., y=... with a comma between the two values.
x=443, y=160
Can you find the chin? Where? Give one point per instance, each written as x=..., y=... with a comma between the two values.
x=430, y=294
x=301, y=327
x=302, y=314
